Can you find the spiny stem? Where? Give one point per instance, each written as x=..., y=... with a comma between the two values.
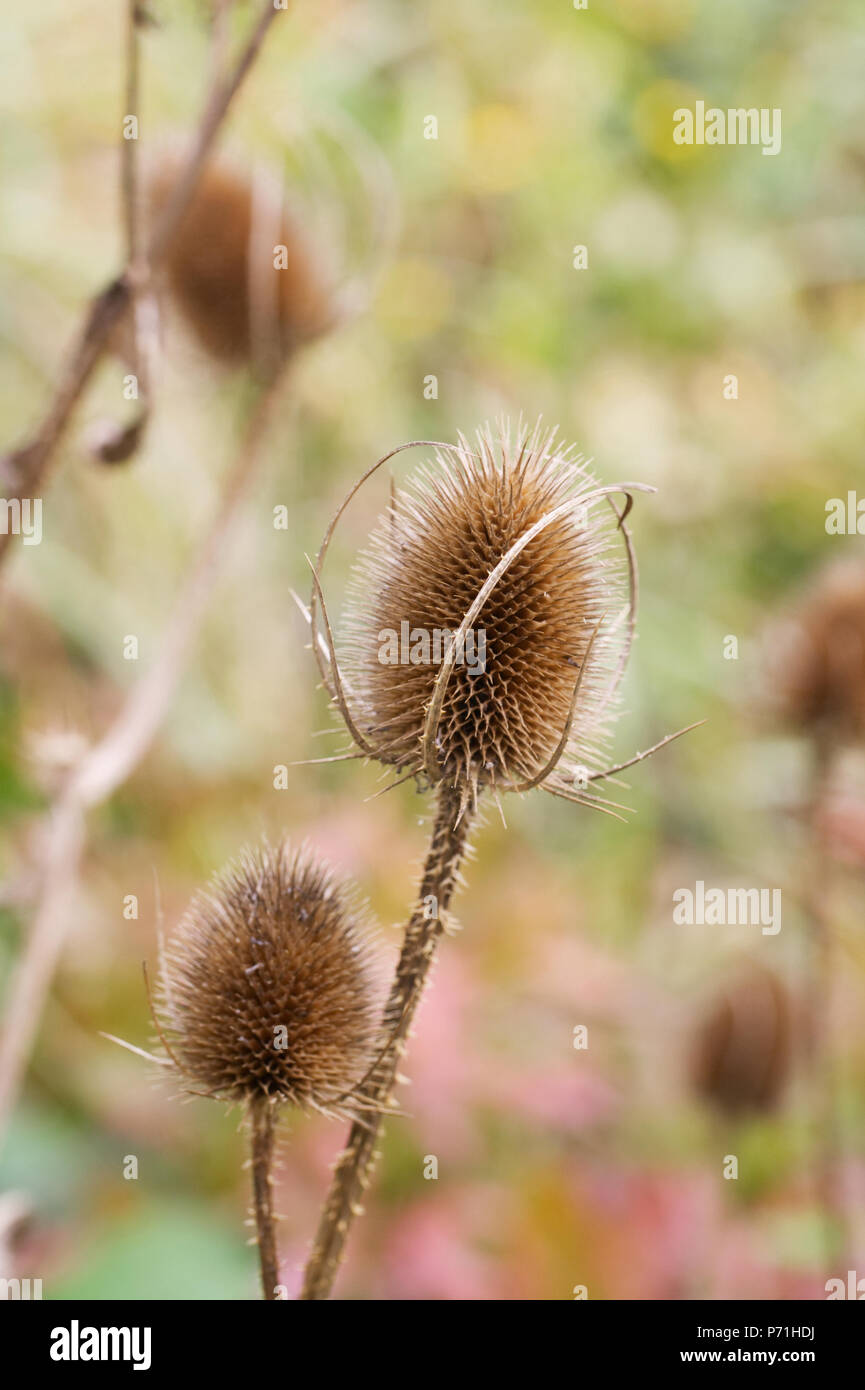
x=262, y=1124
x=354, y=1169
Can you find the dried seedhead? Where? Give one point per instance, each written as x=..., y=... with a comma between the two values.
x=490, y=620
x=509, y=696
x=742, y=1050
x=269, y=989
x=817, y=658
x=240, y=269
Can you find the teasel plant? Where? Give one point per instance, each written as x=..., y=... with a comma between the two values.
x=244, y=265
x=119, y=316
x=266, y=260
x=268, y=998
x=510, y=536
x=743, y=1042
x=112, y=322
x=815, y=678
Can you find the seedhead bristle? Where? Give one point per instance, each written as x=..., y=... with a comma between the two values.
x=269, y=988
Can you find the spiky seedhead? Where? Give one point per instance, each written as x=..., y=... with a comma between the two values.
x=817, y=657
x=269, y=988
x=240, y=270
x=742, y=1051
x=556, y=613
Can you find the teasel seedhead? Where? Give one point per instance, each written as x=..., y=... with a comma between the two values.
x=816, y=659
x=743, y=1044
x=269, y=988
x=240, y=268
x=510, y=546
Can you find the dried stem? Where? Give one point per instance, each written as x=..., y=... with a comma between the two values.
x=108, y=763
x=137, y=332
x=447, y=848
x=219, y=33
x=128, y=738
x=23, y=471
x=262, y=1120
x=215, y=112
x=824, y=1081
x=129, y=147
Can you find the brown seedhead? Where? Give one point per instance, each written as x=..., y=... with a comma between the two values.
x=490, y=620
x=818, y=674
x=743, y=1045
x=240, y=269
x=269, y=988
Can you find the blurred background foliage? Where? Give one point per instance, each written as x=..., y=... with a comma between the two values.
x=557, y=1167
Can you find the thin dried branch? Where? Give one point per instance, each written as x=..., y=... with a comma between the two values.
x=129, y=142
x=816, y=895
x=219, y=34
x=106, y=765
x=116, y=443
x=447, y=848
x=24, y=470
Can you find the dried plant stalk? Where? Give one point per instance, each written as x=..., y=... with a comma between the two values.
x=828, y=1159
x=105, y=766
x=262, y=1126
x=269, y=996
x=447, y=850
x=23, y=470
x=516, y=533
x=817, y=662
